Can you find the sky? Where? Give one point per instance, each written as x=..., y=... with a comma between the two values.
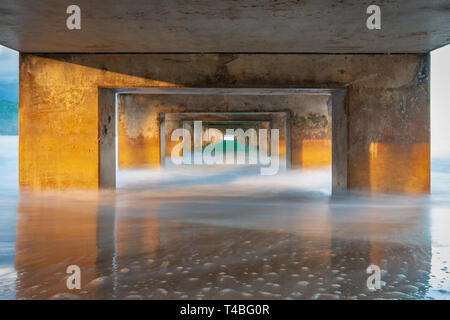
x=9, y=65
x=440, y=102
x=440, y=89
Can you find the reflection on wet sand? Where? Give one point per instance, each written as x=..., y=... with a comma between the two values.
x=222, y=241
x=52, y=234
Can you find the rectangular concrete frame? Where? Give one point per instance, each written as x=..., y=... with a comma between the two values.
x=339, y=124
x=388, y=110
x=284, y=133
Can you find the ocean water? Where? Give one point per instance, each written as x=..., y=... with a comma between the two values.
x=219, y=233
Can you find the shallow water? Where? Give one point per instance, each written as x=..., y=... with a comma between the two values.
x=221, y=233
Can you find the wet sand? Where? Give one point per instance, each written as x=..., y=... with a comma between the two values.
x=223, y=234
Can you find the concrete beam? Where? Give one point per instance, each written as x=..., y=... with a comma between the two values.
x=319, y=26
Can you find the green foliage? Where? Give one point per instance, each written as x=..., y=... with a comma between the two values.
x=9, y=118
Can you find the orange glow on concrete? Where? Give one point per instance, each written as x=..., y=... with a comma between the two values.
x=399, y=168
x=138, y=152
x=59, y=120
x=316, y=153
x=59, y=116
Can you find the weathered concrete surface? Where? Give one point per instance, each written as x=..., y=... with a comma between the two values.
x=138, y=134
x=388, y=102
x=319, y=26
x=107, y=138
x=139, y=123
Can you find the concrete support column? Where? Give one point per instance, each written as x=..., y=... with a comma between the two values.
x=65, y=131
x=107, y=143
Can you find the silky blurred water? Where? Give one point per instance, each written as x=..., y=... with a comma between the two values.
x=218, y=233
x=8, y=213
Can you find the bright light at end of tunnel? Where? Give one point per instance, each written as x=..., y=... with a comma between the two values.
x=228, y=137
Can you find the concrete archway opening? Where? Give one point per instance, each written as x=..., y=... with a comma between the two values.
x=311, y=126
